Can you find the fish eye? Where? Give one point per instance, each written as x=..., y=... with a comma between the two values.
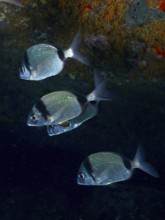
x=34, y=117
x=81, y=175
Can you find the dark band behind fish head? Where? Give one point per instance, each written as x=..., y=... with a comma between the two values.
x=25, y=70
x=39, y=115
x=85, y=174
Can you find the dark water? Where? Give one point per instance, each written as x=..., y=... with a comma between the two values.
x=38, y=173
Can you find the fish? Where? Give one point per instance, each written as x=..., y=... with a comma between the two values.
x=60, y=107
x=14, y=2
x=54, y=107
x=43, y=60
x=105, y=168
x=89, y=111
x=89, y=105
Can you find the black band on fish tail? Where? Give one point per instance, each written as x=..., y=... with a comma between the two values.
x=81, y=98
x=26, y=61
x=42, y=109
x=127, y=163
x=61, y=54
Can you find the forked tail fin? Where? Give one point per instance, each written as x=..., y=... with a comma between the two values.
x=100, y=92
x=140, y=163
x=73, y=50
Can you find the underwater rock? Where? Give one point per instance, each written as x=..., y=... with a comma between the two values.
x=157, y=14
x=99, y=42
x=136, y=46
x=137, y=14
x=140, y=13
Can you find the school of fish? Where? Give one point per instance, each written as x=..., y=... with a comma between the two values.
x=63, y=111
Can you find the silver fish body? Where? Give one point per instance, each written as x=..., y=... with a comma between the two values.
x=63, y=111
x=43, y=60
x=102, y=169
x=105, y=168
x=55, y=107
x=89, y=111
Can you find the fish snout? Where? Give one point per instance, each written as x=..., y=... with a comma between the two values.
x=24, y=73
